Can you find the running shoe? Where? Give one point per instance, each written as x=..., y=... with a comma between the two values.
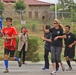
x=69, y=69
x=6, y=71
x=20, y=63
x=53, y=73
x=63, y=68
x=44, y=68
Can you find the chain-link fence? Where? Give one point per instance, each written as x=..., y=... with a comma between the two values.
x=23, y=17
x=33, y=21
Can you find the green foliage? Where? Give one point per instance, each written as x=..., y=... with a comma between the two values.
x=34, y=28
x=20, y=5
x=32, y=53
x=67, y=5
x=52, y=8
x=1, y=8
x=73, y=16
x=74, y=32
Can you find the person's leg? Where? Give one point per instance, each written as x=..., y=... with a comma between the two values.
x=46, y=53
x=15, y=58
x=63, y=68
x=53, y=59
x=57, y=66
x=12, y=52
x=24, y=53
x=58, y=56
x=54, y=69
x=24, y=56
x=70, y=57
x=20, y=54
x=6, y=52
x=46, y=59
x=69, y=64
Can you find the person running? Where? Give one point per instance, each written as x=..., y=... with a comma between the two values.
x=47, y=38
x=9, y=34
x=23, y=44
x=69, y=52
x=56, y=45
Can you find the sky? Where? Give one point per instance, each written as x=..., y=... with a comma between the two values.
x=52, y=1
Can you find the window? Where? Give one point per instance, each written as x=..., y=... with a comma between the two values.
x=30, y=14
x=36, y=15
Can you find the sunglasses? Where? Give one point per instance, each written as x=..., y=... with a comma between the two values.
x=55, y=23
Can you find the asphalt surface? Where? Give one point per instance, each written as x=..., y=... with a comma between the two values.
x=32, y=68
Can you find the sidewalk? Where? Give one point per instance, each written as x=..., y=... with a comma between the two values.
x=33, y=68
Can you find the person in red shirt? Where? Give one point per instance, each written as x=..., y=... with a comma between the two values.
x=9, y=34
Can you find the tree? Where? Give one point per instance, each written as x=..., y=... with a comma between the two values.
x=73, y=16
x=20, y=6
x=66, y=5
x=1, y=8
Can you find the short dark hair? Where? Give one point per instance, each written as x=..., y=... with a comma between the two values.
x=47, y=27
x=8, y=18
x=22, y=28
x=67, y=26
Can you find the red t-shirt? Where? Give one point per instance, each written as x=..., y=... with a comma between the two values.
x=9, y=32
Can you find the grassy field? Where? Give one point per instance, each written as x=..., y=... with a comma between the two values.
x=34, y=29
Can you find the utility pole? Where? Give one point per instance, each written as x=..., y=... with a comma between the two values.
x=55, y=10
x=55, y=2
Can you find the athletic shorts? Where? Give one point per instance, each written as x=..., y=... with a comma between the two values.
x=9, y=52
x=70, y=52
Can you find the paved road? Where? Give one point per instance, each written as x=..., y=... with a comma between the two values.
x=32, y=69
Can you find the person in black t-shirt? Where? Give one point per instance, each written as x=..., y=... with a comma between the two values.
x=47, y=38
x=69, y=52
x=56, y=45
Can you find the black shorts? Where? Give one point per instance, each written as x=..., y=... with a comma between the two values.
x=9, y=52
x=70, y=52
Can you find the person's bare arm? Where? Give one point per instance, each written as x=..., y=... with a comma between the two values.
x=13, y=37
x=70, y=46
x=63, y=36
x=45, y=39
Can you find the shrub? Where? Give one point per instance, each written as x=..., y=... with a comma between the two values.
x=32, y=53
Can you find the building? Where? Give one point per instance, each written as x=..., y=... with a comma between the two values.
x=37, y=9
x=34, y=9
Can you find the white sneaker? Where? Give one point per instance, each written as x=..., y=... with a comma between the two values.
x=63, y=68
x=53, y=73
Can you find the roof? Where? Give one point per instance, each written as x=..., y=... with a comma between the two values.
x=36, y=2
x=7, y=1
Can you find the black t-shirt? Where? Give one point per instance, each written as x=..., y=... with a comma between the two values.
x=55, y=33
x=48, y=44
x=70, y=38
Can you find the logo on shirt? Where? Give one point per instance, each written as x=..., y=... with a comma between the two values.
x=58, y=32
x=69, y=36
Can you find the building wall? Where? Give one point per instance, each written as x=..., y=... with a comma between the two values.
x=40, y=10
x=31, y=12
